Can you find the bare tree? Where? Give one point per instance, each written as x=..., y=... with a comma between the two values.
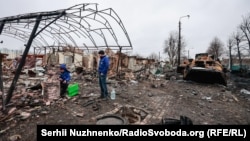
x=171, y=48
x=238, y=39
x=216, y=48
x=230, y=44
x=245, y=28
x=153, y=56
x=183, y=49
x=138, y=55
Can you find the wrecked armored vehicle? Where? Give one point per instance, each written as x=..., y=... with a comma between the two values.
x=205, y=69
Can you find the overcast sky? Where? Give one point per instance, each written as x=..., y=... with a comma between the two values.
x=149, y=22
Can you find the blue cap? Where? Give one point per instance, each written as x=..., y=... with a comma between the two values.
x=63, y=66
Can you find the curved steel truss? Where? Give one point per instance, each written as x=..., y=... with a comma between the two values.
x=83, y=26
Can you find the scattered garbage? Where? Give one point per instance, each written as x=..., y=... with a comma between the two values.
x=244, y=91
x=73, y=89
x=182, y=121
x=112, y=95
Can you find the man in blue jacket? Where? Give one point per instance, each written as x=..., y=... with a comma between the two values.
x=64, y=80
x=102, y=71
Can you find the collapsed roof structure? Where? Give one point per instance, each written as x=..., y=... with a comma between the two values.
x=83, y=26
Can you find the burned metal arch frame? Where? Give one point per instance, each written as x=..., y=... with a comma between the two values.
x=73, y=22
x=82, y=26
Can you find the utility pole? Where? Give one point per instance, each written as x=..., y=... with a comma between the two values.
x=159, y=56
x=179, y=41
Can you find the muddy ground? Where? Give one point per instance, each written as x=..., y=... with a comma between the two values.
x=204, y=104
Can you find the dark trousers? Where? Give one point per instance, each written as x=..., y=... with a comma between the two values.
x=63, y=89
x=103, y=86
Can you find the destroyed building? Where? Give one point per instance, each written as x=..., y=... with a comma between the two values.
x=147, y=91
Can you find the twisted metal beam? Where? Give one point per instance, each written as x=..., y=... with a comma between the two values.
x=82, y=26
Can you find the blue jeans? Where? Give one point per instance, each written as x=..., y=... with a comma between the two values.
x=103, y=86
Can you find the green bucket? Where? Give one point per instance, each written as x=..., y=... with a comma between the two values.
x=73, y=89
